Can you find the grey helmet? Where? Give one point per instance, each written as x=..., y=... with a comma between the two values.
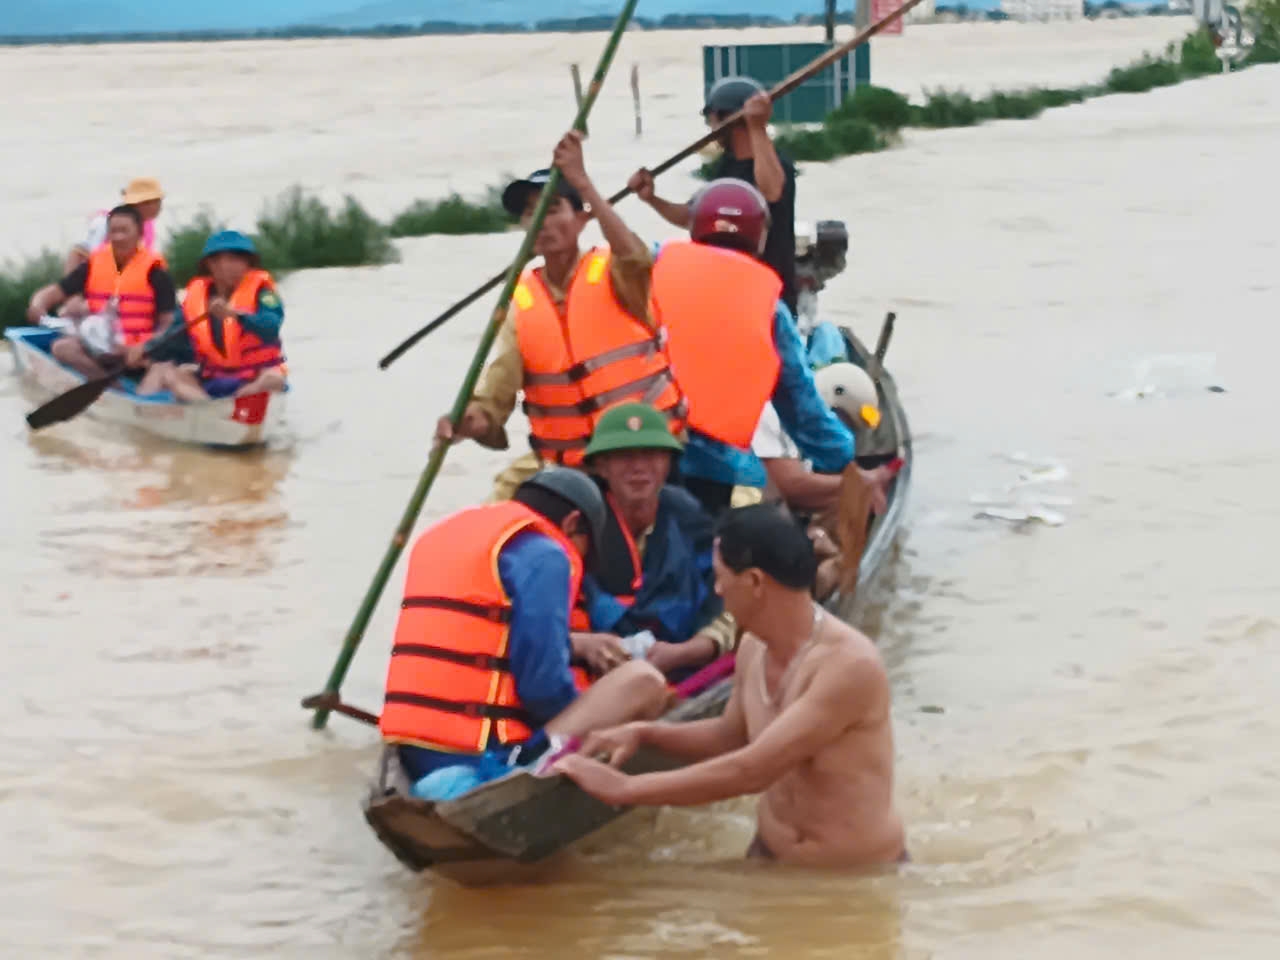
x=577, y=488
x=728, y=95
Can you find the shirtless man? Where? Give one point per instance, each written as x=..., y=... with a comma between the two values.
x=807, y=723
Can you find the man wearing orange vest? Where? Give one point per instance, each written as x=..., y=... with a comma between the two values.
x=480, y=665
x=233, y=316
x=125, y=284
x=579, y=335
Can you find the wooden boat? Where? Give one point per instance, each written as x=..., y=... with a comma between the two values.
x=522, y=817
x=228, y=422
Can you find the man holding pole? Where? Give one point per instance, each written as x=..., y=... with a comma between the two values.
x=749, y=155
x=606, y=288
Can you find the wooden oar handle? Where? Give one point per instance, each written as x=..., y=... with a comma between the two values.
x=331, y=702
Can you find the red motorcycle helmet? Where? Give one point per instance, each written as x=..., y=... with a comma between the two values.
x=730, y=213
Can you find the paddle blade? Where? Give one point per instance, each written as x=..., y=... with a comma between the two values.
x=67, y=405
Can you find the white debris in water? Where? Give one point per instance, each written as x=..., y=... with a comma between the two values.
x=1166, y=375
x=1019, y=505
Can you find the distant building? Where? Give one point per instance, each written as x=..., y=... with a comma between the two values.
x=1031, y=10
x=922, y=12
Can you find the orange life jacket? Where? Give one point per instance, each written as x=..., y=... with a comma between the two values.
x=584, y=356
x=449, y=684
x=134, y=298
x=718, y=309
x=244, y=355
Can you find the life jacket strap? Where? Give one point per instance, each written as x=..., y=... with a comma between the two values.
x=481, y=661
x=474, y=710
x=584, y=368
x=494, y=613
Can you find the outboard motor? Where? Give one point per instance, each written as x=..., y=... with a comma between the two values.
x=821, y=253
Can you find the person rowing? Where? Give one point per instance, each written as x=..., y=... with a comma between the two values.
x=807, y=724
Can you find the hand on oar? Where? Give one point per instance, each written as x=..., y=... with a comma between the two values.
x=80, y=398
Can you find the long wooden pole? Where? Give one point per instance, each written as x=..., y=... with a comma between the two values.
x=781, y=90
x=434, y=462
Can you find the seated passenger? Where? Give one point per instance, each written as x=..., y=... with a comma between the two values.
x=127, y=292
x=233, y=316
x=480, y=666
x=823, y=502
x=652, y=571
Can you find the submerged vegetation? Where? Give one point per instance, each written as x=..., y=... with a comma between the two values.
x=873, y=117
x=296, y=231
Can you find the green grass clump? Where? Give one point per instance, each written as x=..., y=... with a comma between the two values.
x=814, y=146
x=1146, y=74
x=1019, y=105
x=18, y=281
x=298, y=232
x=880, y=107
x=946, y=108
x=453, y=215
x=851, y=135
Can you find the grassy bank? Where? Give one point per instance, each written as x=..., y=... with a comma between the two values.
x=296, y=231
x=873, y=118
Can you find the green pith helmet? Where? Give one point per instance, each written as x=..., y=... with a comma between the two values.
x=632, y=426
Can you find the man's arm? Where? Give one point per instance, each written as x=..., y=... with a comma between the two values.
x=535, y=573
x=818, y=432
x=770, y=177
x=800, y=487
x=833, y=702
x=676, y=214
x=266, y=320
x=494, y=399
x=700, y=739
x=55, y=294
x=166, y=296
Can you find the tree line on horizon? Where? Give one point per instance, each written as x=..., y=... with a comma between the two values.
x=588, y=24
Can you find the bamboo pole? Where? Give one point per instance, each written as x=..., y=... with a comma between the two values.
x=356, y=632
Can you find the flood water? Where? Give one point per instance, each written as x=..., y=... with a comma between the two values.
x=1096, y=772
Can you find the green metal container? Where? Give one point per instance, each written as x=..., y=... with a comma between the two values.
x=771, y=63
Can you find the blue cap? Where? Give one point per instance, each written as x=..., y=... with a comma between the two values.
x=229, y=241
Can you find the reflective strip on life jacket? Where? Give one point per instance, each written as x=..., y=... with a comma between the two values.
x=718, y=308
x=244, y=354
x=584, y=356
x=449, y=683
x=129, y=289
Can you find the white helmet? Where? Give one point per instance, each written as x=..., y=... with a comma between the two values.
x=846, y=388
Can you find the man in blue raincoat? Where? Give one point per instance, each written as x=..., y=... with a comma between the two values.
x=649, y=588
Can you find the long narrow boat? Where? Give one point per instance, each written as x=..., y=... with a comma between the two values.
x=522, y=818
x=229, y=422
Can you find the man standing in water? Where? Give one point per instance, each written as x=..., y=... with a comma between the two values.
x=807, y=723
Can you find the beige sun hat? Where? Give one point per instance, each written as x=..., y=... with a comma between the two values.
x=847, y=387
x=142, y=189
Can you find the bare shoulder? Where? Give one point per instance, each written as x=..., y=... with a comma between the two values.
x=851, y=664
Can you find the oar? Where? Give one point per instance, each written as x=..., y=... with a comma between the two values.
x=779, y=91
x=356, y=632
x=80, y=398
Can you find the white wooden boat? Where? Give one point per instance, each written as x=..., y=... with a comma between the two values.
x=229, y=422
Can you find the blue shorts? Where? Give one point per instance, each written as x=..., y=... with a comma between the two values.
x=217, y=387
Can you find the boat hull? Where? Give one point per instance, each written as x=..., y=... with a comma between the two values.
x=229, y=422
x=494, y=831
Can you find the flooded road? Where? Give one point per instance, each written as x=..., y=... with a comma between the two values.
x=1101, y=779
